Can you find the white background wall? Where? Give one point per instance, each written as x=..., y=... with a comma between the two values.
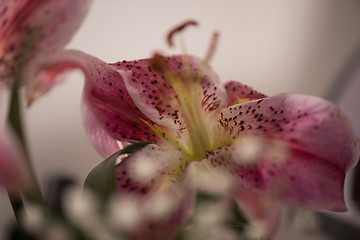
x=274, y=46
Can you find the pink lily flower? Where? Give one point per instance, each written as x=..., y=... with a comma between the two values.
x=303, y=145
x=289, y=149
x=32, y=32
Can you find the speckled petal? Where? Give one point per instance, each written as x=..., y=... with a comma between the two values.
x=144, y=176
x=296, y=147
x=304, y=123
x=130, y=171
x=153, y=94
x=35, y=29
x=105, y=96
x=290, y=176
x=238, y=92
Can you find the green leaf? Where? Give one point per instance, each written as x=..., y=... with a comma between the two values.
x=133, y=148
x=102, y=179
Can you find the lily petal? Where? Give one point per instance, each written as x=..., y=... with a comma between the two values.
x=104, y=144
x=154, y=95
x=289, y=150
x=106, y=103
x=112, y=91
x=304, y=123
x=144, y=176
x=33, y=30
x=303, y=147
x=298, y=179
x=238, y=92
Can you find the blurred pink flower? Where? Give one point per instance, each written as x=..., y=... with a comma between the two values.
x=288, y=149
x=13, y=173
x=32, y=32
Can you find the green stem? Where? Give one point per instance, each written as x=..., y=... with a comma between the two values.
x=15, y=198
x=14, y=115
x=15, y=121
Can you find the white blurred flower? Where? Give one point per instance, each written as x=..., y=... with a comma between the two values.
x=145, y=168
x=33, y=219
x=249, y=150
x=124, y=212
x=57, y=231
x=81, y=207
x=161, y=205
x=149, y=162
x=201, y=176
x=306, y=221
x=209, y=222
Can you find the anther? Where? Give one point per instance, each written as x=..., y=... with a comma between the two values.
x=177, y=29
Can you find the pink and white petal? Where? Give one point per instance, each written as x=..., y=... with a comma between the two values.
x=144, y=176
x=290, y=176
x=307, y=181
x=35, y=30
x=105, y=95
x=303, y=123
x=238, y=92
x=100, y=139
x=150, y=92
x=305, y=142
x=153, y=94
